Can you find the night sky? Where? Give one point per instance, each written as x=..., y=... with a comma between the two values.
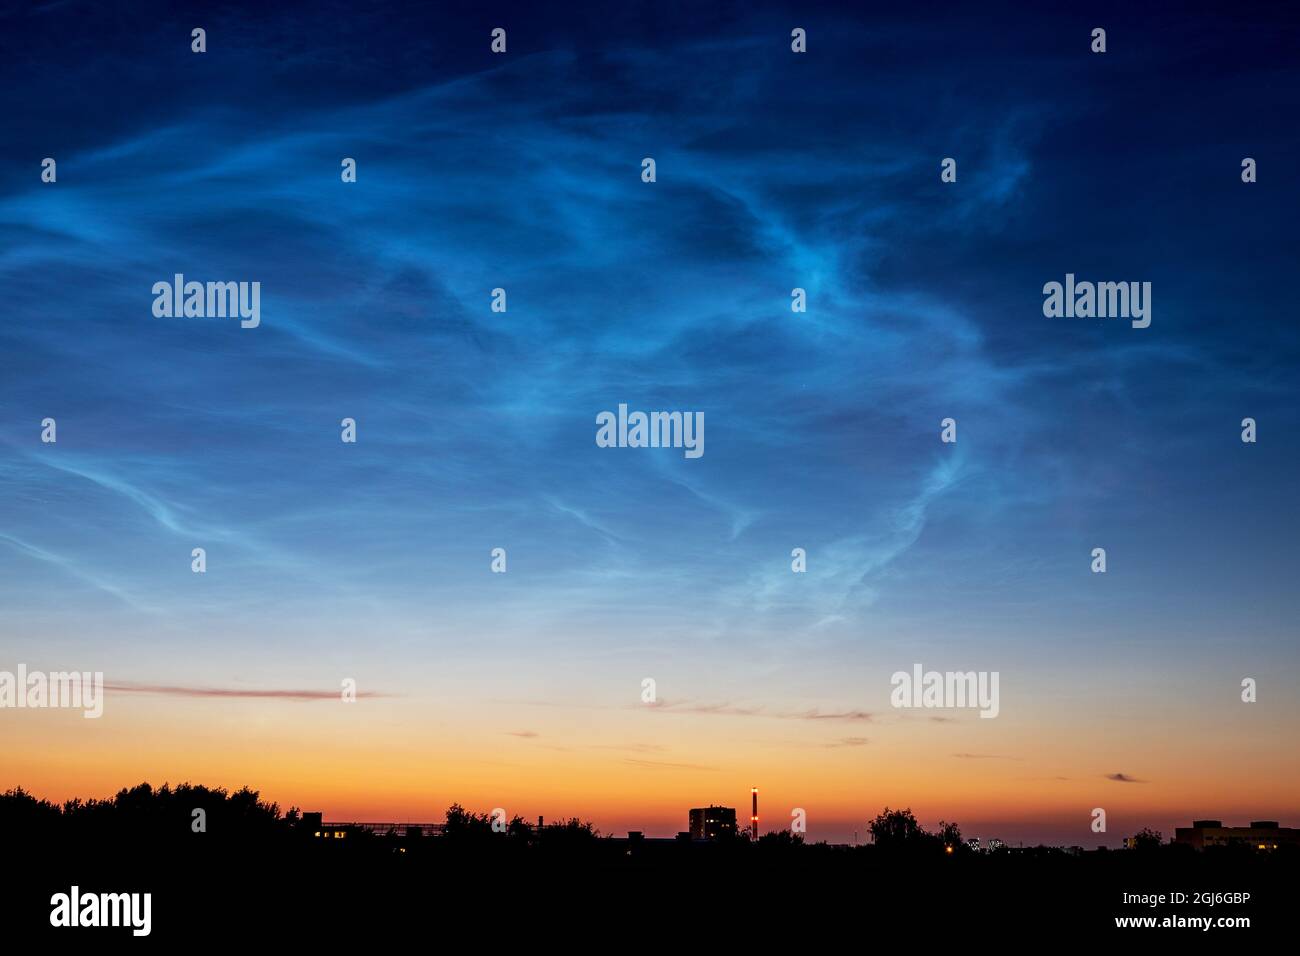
x=476, y=429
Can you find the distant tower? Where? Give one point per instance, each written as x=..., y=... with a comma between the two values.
x=753, y=819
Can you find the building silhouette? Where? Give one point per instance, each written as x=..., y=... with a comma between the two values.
x=1260, y=835
x=712, y=823
x=313, y=824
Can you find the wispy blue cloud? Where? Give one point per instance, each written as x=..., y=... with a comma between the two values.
x=476, y=429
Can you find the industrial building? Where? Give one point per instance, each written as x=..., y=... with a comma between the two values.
x=1260, y=835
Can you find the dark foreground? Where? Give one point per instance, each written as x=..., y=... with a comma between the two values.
x=213, y=890
x=247, y=873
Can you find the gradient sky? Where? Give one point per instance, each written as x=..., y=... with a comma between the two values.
x=476, y=429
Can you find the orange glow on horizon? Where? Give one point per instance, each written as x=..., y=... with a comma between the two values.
x=401, y=760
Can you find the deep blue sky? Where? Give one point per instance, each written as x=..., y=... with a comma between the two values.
x=477, y=429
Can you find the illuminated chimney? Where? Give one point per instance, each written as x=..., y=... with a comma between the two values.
x=753, y=819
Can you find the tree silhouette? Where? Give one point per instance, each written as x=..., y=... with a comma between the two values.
x=897, y=830
x=572, y=834
x=1147, y=839
x=465, y=826
x=950, y=834
x=780, y=839
x=520, y=830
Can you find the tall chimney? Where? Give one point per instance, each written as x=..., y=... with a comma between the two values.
x=753, y=819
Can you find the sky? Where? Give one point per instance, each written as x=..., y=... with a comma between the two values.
x=371, y=561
